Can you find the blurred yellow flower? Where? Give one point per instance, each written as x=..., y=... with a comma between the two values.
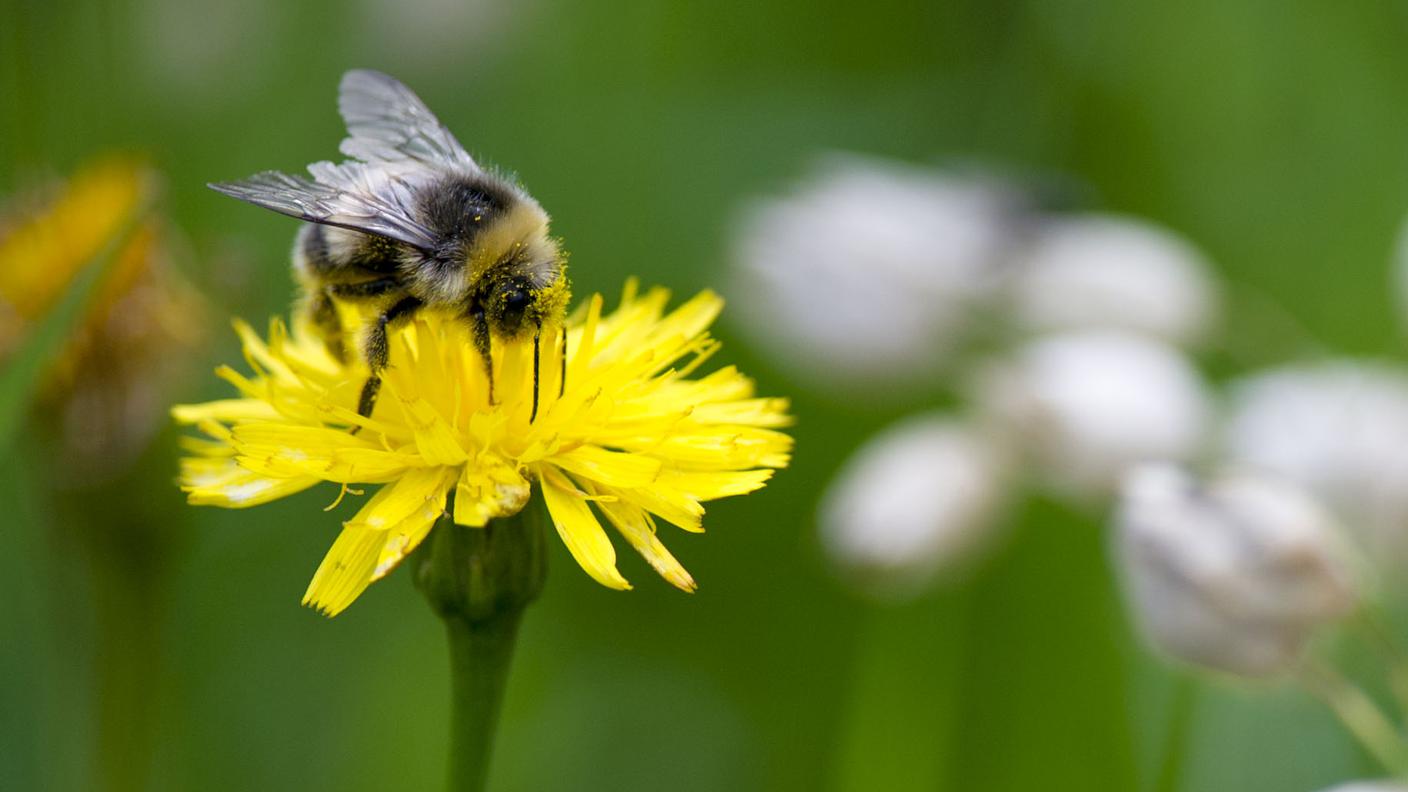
x=629, y=433
x=103, y=392
x=44, y=248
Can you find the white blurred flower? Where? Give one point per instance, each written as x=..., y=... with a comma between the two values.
x=868, y=276
x=1234, y=574
x=1338, y=428
x=917, y=500
x=1369, y=786
x=1104, y=271
x=1086, y=406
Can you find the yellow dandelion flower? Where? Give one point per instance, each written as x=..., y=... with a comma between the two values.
x=631, y=435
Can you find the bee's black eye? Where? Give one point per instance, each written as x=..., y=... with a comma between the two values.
x=516, y=301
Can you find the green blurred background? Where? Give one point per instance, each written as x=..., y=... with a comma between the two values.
x=1274, y=135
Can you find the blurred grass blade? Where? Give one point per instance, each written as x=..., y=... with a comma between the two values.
x=1046, y=692
x=903, y=717
x=1179, y=724
x=22, y=375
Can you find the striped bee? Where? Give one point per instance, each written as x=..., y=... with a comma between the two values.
x=409, y=223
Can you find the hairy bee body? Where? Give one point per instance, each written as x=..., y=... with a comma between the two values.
x=495, y=256
x=413, y=223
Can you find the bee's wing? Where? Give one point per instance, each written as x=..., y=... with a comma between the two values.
x=351, y=195
x=387, y=123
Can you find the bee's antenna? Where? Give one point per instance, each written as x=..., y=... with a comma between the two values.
x=536, y=335
x=483, y=344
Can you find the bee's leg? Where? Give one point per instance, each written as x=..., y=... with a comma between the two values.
x=323, y=313
x=378, y=350
x=482, y=345
x=367, y=401
x=323, y=310
x=536, y=335
x=357, y=290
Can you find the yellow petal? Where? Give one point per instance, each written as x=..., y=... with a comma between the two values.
x=675, y=496
x=220, y=481
x=635, y=524
x=715, y=448
x=386, y=528
x=750, y=412
x=612, y=468
x=258, y=354
x=224, y=410
x=435, y=440
x=669, y=504
x=580, y=530
x=205, y=448
x=486, y=491
x=331, y=454
x=346, y=570
x=409, y=495
x=582, y=348
x=408, y=534
x=725, y=385
x=693, y=317
x=706, y=486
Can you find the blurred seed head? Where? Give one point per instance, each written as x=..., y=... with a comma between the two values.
x=106, y=393
x=1339, y=429
x=868, y=276
x=920, y=499
x=1084, y=407
x=1235, y=573
x=1370, y=786
x=1105, y=271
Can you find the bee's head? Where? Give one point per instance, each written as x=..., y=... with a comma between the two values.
x=525, y=295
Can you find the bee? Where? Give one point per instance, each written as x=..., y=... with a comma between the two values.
x=411, y=223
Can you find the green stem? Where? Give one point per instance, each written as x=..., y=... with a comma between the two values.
x=128, y=658
x=1371, y=625
x=479, y=663
x=479, y=581
x=1180, y=723
x=1361, y=716
x=127, y=547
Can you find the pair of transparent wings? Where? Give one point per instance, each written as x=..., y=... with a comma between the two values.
x=396, y=145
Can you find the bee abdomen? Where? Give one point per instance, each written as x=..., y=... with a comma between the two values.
x=327, y=254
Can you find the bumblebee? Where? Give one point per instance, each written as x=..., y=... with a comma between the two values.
x=411, y=222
